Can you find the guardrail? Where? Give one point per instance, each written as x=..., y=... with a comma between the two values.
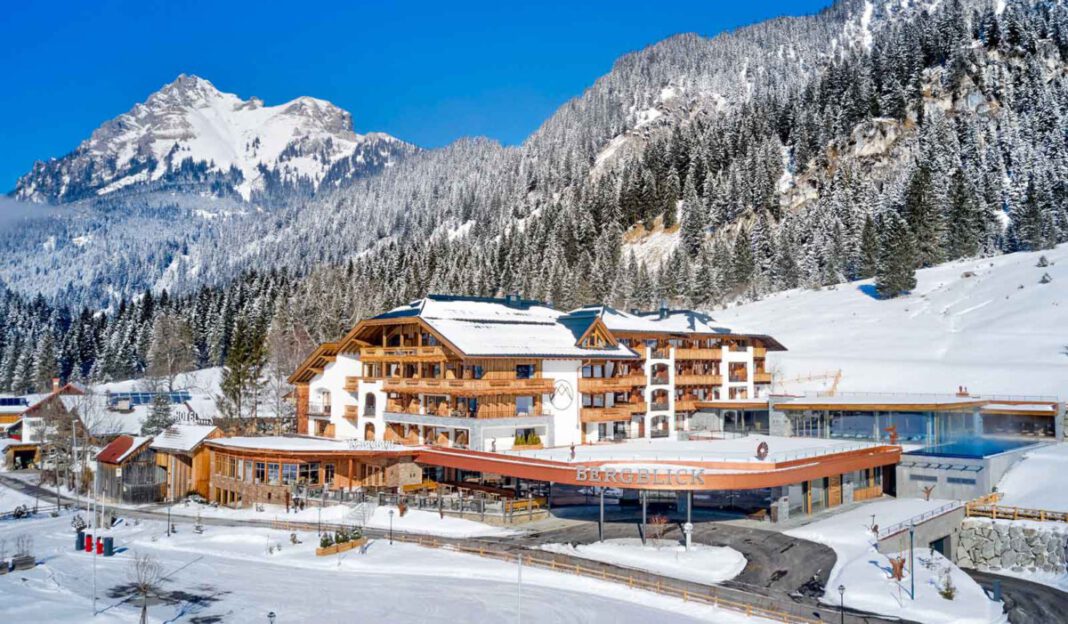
x=904, y=525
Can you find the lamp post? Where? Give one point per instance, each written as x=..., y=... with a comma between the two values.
x=270, y=617
x=390, y=527
x=841, y=603
x=912, y=575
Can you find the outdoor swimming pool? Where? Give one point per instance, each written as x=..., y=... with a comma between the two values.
x=972, y=447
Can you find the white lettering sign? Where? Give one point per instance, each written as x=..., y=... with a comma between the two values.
x=641, y=476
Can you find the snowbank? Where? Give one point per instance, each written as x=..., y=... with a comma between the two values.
x=865, y=572
x=701, y=564
x=1027, y=484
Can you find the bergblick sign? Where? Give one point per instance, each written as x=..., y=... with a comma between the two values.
x=681, y=477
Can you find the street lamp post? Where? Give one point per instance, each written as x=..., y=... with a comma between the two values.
x=841, y=603
x=390, y=527
x=912, y=571
x=270, y=617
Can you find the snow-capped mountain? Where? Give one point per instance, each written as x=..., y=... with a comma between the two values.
x=194, y=137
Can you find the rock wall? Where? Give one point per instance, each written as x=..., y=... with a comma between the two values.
x=1020, y=546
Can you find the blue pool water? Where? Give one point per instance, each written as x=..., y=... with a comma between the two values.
x=972, y=447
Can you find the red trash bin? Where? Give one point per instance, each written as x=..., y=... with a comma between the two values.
x=99, y=546
x=88, y=543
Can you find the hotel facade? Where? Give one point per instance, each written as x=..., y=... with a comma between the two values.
x=484, y=374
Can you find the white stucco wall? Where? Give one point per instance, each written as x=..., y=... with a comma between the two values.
x=566, y=424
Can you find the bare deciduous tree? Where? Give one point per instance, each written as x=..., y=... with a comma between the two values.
x=288, y=342
x=171, y=352
x=145, y=575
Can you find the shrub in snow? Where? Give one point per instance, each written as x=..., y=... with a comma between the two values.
x=1045, y=279
x=326, y=540
x=1042, y=261
x=946, y=588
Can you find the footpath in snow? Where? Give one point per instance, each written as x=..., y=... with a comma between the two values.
x=865, y=571
x=701, y=564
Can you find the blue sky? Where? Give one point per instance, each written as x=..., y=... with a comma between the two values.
x=427, y=72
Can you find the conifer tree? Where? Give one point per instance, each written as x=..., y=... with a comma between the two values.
x=160, y=417
x=965, y=219
x=693, y=219
x=925, y=219
x=869, y=250
x=896, y=273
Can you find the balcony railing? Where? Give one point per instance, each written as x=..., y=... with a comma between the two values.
x=608, y=384
x=352, y=412
x=447, y=411
x=318, y=410
x=759, y=352
x=699, y=354
x=660, y=354
x=658, y=407
x=469, y=387
x=762, y=378
x=411, y=354
x=685, y=379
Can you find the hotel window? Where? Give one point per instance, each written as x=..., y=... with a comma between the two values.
x=309, y=473
x=289, y=474
x=328, y=473
x=248, y=470
x=524, y=371
x=926, y=478
x=524, y=405
x=587, y=372
x=272, y=474
x=261, y=472
x=960, y=481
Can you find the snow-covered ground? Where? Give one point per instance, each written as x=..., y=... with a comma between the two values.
x=997, y=332
x=865, y=572
x=701, y=564
x=1027, y=484
x=229, y=574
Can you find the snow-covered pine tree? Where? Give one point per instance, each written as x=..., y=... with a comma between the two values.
x=898, y=256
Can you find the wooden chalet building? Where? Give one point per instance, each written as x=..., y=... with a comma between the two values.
x=486, y=373
x=186, y=460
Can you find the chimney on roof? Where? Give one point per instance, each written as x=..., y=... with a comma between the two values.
x=55, y=384
x=663, y=309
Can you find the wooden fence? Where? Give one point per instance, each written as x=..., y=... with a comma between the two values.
x=709, y=596
x=988, y=507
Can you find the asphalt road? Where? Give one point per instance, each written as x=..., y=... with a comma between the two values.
x=1026, y=602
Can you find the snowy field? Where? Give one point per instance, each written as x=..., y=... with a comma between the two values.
x=666, y=449
x=701, y=564
x=228, y=575
x=1028, y=483
x=865, y=572
x=997, y=332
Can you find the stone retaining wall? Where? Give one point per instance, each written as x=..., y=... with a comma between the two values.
x=1020, y=546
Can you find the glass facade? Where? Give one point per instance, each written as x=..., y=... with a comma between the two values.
x=925, y=428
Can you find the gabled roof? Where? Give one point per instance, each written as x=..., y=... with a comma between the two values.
x=121, y=448
x=182, y=438
x=483, y=327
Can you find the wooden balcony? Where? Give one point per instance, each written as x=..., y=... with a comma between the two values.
x=760, y=352
x=699, y=354
x=446, y=411
x=685, y=405
x=352, y=384
x=470, y=387
x=762, y=378
x=352, y=412
x=403, y=354
x=698, y=380
x=610, y=384
x=606, y=414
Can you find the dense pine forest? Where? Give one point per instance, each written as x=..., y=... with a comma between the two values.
x=853, y=147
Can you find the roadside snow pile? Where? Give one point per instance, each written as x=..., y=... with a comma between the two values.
x=702, y=564
x=1027, y=484
x=937, y=338
x=865, y=572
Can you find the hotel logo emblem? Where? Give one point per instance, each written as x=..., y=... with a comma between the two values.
x=563, y=394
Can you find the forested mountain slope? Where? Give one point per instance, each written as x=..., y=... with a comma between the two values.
x=775, y=157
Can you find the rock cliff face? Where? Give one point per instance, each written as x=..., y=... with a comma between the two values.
x=1005, y=545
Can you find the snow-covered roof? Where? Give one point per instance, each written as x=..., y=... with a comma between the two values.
x=182, y=437
x=1038, y=408
x=121, y=448
x=665, y=321
x=306, y=443
x=904, y=400
x=500, y=327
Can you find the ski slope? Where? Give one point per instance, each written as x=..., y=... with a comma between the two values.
x=987, y=324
